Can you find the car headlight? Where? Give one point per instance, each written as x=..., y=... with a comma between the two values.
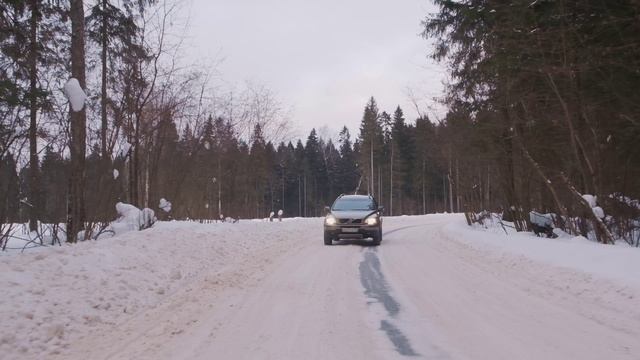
x=372, y=220
x=330, y=220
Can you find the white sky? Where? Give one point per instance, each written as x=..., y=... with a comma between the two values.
x=323, y=58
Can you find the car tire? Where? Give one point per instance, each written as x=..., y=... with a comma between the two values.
x=377, y=238
x=327, y=239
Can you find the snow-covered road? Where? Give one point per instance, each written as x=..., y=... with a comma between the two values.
x=431, y=290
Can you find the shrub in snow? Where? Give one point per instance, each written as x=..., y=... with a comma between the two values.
x=132, y=218
x=539, y=219
x=542, y=224
x=75, y=94
x=128, y=218
x=633, y=203
x=148, y=218
x=623, y=216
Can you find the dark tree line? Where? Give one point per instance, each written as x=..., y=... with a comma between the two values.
x=543, y=107
x=151, y=130
x=212, y=170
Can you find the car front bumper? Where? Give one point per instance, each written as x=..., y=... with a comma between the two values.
x=352, y=231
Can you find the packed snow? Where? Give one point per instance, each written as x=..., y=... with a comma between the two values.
x=53, y=297
x=615, y=262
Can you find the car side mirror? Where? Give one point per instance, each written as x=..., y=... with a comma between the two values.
x=327, y=209
x=380, y=208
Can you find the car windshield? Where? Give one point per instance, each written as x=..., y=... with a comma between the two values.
x=354, y=204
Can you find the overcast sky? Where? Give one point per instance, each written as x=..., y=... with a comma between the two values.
x=323, y=58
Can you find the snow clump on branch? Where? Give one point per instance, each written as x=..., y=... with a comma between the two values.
x=165, y=205
x=75, y=94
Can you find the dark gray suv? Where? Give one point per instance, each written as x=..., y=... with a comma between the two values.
x=353, y=217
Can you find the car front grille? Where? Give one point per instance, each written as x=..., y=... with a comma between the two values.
x=349, y=221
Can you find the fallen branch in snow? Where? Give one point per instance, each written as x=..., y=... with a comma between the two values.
x=479, y=218
x=6, y=231
x=38, y=238
x=4, y=240
x=33, y=242
x=502, y=224
x=602, y=232
x=545, y=179
x=55, y=228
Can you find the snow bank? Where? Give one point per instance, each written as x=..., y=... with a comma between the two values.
x=615, y=262
x=52, y=297
x=75, y=94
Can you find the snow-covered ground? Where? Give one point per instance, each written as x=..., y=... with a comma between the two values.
x=54, y=297
x=435, y=288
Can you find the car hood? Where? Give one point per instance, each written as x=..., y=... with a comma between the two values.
x=352, y=214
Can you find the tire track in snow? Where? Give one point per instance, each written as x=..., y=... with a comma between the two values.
x=377, y=289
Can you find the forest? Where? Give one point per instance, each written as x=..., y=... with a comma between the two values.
x=543, y=103
x=542, y=98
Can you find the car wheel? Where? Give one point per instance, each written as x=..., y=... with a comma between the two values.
x=327, y=239
x=377, y=238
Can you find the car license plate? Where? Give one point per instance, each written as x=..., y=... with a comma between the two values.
x=350, y=230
